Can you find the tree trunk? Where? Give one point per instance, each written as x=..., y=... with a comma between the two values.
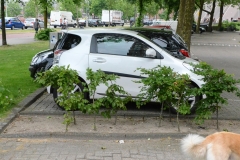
x=141, y=8
x=220, y=16
x=180, y=17
x=184, y=28
x=45, y=18
x=4, y=39
x=199, y=15
x=211, y=16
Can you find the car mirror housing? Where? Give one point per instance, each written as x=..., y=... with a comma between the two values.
x=151, y=53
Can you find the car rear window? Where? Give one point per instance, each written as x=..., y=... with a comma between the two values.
x=69, y=41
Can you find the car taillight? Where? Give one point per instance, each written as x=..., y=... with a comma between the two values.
x=184, y=52
x=57, y=55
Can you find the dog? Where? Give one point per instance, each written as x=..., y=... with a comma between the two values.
x=217, y=146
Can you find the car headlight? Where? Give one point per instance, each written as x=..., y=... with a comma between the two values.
x=38, y=59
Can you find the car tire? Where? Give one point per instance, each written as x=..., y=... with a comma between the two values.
x=23, y=27
x=78, y=88
x=26, y=27
x=193, y=102
x=55, y=26
x=12, y=28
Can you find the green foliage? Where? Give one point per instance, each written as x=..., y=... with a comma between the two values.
x=230, y=26
x=13, y=9
x=43, y=34
x=56, y=77
x=6, y=98
x=216, y=82
x=14, y=74
x=164, y=85
x=68, y=119
x=111, y=101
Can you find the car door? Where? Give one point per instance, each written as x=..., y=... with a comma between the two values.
x=18, y=23
x=121, y=55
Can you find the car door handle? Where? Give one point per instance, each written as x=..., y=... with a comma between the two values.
x=99, y=60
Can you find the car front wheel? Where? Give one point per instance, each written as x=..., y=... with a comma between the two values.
x=77, y=88
x=12, y=28
x=192, y=100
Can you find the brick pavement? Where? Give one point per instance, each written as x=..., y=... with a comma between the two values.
x=73, y=149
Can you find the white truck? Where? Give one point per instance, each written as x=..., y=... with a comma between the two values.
x=57, y=19
x=115, y=18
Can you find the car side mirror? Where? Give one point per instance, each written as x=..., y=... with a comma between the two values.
x=151, y=53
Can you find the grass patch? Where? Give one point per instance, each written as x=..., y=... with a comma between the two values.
x=14, y=75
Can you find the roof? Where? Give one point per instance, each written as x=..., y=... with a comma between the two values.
x=145, y=29
x=99, y=30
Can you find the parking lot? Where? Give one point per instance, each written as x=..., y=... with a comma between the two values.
x=221, y=50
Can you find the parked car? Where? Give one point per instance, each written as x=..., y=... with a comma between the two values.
x=95, y=23
x=118, y=52
x=165, y=38
x=82, y=23
x=13, y=22
x=30, y=21
x=147, y=22
x=41, y=62
x=201, y=28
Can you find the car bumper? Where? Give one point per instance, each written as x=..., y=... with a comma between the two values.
x=32, y=69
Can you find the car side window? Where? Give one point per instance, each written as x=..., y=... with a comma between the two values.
x=70, y=41
x=118, y=44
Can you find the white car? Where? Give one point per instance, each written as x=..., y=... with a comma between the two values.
x=30, y=21
x=120, y=52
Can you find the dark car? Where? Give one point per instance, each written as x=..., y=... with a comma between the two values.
x=202, y=28
x=166, y=39
x=41, y=62
x=95, y=23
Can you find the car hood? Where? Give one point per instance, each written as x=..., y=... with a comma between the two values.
x=45, y=52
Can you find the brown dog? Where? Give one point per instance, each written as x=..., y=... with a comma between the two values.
x=217, y=146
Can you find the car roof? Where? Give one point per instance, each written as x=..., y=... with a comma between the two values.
x=98, y=30
x=145, y=29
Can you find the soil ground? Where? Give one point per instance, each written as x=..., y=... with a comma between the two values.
x=84, y=124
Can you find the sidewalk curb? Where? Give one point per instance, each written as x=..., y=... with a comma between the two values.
x=20, y=107
x=99, y=136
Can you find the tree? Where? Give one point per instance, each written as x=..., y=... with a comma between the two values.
x=185, y=20
x=201, y=3
x=170, y=6
x=69, y=5
x=32, y=8
x=4, y=39
x=14, y=9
